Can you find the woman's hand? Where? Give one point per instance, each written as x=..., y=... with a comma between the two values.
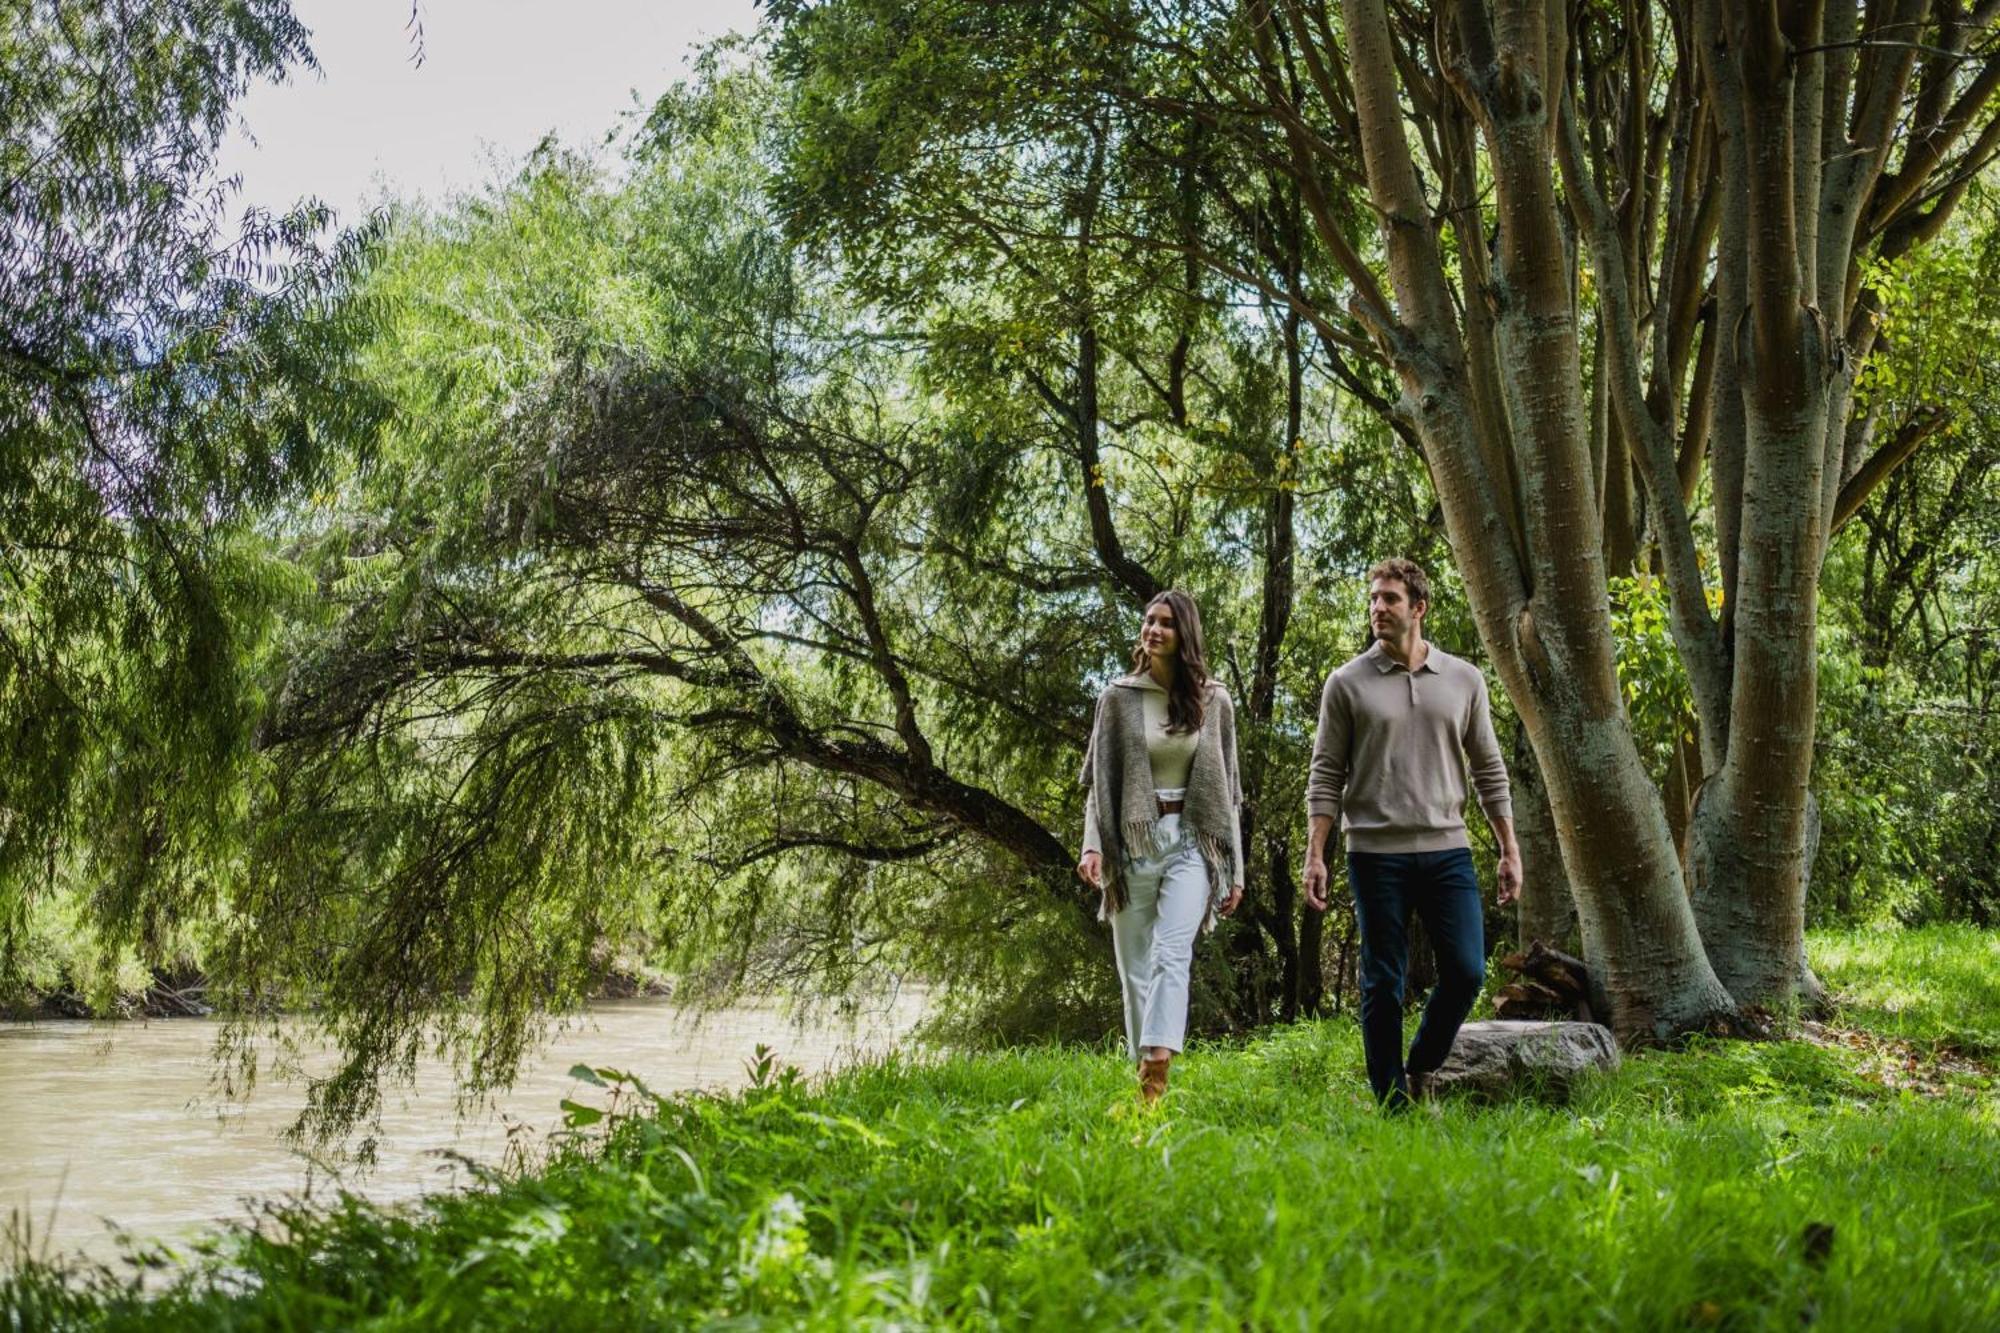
x=1230, y=903
x=1091, y=869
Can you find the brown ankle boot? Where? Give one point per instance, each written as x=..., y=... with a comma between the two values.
x=1153, y=1079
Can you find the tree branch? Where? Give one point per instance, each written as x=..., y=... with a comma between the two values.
x=1695, y=630
x=1884, y=461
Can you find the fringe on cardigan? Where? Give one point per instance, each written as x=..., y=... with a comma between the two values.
x=1216, y=856
x=1215, y=846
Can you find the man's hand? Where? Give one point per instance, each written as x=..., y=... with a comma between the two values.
x=1316, y=883
x=1510, y=876
x=1091, y=869
x=1319, y=837
x=1234, y=899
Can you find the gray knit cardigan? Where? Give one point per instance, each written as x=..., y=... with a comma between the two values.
x=1120, y=777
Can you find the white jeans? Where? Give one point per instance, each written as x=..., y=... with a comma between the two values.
x=1166, y=897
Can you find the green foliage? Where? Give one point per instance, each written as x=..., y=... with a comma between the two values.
x=612, y=622
x=714, y=557
x=162, y=382
x=1655, y=682
x=1908, y=768
x=1731, y=1184
x=689, y=606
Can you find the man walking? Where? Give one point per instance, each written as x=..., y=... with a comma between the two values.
x=1397, y=726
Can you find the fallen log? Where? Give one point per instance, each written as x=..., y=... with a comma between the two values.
x=164, y=1001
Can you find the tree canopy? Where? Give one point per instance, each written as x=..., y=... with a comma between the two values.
x=167, y=374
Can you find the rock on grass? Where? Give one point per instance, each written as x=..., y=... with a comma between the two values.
x=1497, y=1060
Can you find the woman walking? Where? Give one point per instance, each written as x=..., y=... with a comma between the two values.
x=1161, y=838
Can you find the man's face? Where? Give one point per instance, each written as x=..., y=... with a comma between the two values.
x=1390, y=613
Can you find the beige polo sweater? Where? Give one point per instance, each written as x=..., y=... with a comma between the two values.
x=1391, y=756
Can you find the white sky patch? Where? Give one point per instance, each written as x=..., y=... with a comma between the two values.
x=497, y=76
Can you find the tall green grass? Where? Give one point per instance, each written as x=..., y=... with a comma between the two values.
x=1737, y=1185
x=1938, y=986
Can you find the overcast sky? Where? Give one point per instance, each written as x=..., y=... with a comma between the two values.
x=497, y=75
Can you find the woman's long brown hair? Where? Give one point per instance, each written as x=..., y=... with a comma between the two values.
x=1184, y=696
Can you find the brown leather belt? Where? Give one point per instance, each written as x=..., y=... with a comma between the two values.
x=1170, y=807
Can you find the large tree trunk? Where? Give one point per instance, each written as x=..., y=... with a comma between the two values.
x=1747, y=842
x=1540, y=605
x=1639, y=933
x=1760, y=964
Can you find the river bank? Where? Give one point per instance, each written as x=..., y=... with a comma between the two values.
x=1844, y=1181
x=122, y=1123
x=184, y=994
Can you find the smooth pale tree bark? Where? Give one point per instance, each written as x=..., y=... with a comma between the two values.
x=1746, y=855
x=1796, y=108
x=1807, y=103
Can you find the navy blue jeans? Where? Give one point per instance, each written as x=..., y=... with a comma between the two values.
x=1444, y=893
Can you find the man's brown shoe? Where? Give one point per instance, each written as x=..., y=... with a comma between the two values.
x=1153, y=1079
x=1423, y=1087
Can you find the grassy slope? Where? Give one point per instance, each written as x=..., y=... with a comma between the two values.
x=1027, y=1190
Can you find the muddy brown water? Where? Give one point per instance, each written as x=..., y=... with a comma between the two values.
x=109, y=1128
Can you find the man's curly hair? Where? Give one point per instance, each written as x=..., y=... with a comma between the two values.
x=1415, y=582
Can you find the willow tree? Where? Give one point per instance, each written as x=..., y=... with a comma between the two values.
x=166, y=370
x=1059, y=253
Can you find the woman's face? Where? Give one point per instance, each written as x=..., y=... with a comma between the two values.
x=1158, y=634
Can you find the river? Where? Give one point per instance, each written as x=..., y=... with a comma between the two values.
x=118, y=1126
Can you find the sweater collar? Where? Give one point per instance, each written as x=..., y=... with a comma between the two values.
x=1379, y=656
